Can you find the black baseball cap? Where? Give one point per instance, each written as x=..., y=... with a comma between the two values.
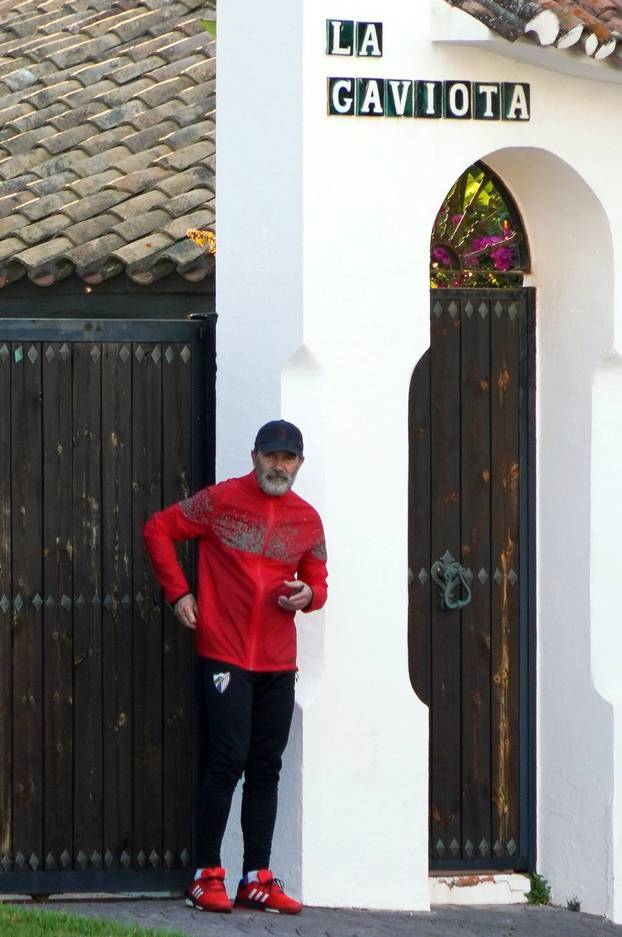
x=279, y=436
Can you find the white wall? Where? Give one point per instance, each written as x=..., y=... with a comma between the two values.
x=324, y=227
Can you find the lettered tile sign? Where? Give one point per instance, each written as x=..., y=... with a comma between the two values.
x=345, y=37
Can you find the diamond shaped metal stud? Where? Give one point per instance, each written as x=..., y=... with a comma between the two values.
x=37, y=601
x=498, y=577
x=440, y=848
x=96, y=860
x=66, y=603
x=65, y=352
x=139, y=354
x=512, y=310
x=108, y=602
x=468, y=309
x=125, y=859
x=483, y=848
x=50, y=354
x=437, y=309
x=468, y=848
x=141, y=859
x=80, y=601
x=18, y=355
x=124, y=353
x=422, y=576
x=65, y=859
x=95, y=354
x=4, y=604
x=18, y=603
x=512, y=577
x=169, y=858
x=139, y=598
x=483, y=310
x=126, y=601
x=5, y=862
x=454, y=848
x=4, y=353
x=20, y=860
x=154, y=859
x=33, y=862
x=498, y=310
x=49, y=602
x=185, y=858
x=498, y=849
x=96, y=600
x=468, y=575
x=108, y=859
x=447, y=557
x=50, y=861
x=156, y=355
x=511, y=847
x=483, y=576
x=169, y=355
x=185, y=354
x=33, y=354
x=453, y=310
x=81, y=860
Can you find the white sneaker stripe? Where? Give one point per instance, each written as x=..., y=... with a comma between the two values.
x=253, y=893
x=264, y=897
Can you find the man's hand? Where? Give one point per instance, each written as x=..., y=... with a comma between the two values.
x=299, y=599
x=186, y=611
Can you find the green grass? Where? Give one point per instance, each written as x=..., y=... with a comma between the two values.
x=24, y=922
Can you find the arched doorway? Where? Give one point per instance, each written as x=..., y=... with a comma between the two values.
x=471, y=579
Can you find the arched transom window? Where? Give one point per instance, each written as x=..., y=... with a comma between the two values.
x=478, y=238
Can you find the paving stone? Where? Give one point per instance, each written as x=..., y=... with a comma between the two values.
x=508, y=921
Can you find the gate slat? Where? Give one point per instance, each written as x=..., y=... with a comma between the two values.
x=445, y=689
x=505, y=588
x=147, y=629
x=117, y=601
x=419, y=559
x=58, y=588
x=27, y=586
x=6, y=592
x=87, y=605
x=475, y=422
x=177, y=641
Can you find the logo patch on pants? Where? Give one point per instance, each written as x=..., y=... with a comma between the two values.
x=221, y=681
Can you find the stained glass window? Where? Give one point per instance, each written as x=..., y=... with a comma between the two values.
x=478, y=238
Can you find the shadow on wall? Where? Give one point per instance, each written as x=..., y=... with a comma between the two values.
x=572, y=269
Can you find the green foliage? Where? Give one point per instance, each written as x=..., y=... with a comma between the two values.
x=573, y=904
x=210, y=26
x=540, y=892
x=24, y=922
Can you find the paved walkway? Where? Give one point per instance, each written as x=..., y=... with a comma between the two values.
x=508, y=921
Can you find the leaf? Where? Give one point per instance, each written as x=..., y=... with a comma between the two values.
x=210, y=26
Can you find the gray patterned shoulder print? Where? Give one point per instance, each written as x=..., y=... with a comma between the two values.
x=319, y=550
x=240, y=532
x=198, y=508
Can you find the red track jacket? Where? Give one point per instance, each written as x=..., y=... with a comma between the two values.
x=249, y=543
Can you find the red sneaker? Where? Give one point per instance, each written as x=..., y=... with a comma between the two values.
x=208, y=892
x=266, y=894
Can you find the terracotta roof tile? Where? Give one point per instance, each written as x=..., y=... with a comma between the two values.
x=106, y=146
x=597, y=23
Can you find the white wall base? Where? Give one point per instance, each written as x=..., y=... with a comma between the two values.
x=487, y=888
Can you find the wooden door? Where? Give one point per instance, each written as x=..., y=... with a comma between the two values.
x=102, y=423
x=470, y=498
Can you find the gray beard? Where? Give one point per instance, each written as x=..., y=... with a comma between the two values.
x=274, y=484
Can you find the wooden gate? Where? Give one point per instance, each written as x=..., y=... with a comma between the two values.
x=470, y=501
x=103, y=423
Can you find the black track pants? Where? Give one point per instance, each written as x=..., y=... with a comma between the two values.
x=246, y=729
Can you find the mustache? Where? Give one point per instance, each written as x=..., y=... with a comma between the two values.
x=273, y=474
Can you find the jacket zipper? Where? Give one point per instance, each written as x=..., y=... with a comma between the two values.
x=259, y=591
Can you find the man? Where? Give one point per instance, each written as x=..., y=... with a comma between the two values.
x=261, y=559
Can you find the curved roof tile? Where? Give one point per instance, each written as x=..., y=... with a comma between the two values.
x=107, y=126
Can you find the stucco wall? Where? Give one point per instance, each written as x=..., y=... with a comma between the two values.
x=324, y=227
